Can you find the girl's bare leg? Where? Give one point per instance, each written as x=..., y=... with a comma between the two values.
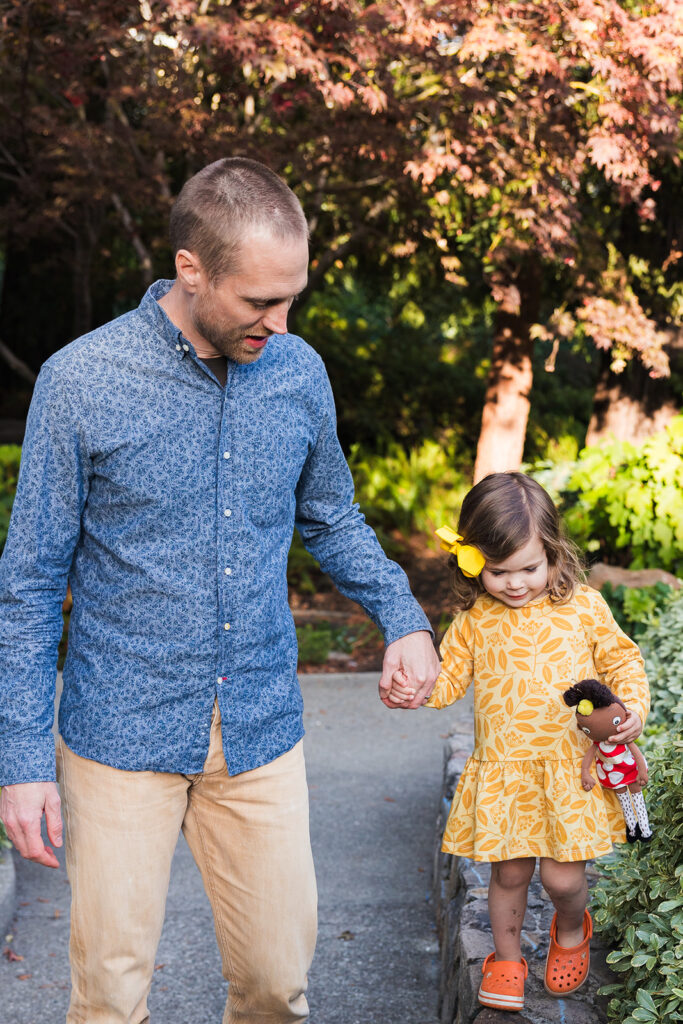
x=565, y=883
x=508, y=891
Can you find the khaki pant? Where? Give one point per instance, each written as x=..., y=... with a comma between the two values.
x=250, y=838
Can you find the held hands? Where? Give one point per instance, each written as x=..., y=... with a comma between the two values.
x=629, y=729
x=401, y=693
x=21, y=810
x=410, y=668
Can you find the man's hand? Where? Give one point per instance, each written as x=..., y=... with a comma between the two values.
x=412, y=663
x=629, y=729
x=401, y=694
x=21, y=810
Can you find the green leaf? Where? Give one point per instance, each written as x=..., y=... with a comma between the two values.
x=642, y=1014
x=669, y=905
x=645, y=1000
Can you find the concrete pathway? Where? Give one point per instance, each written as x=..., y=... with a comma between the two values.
x=375, y=779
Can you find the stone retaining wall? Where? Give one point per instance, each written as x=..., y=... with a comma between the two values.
x=460, y=899
x=7, y=891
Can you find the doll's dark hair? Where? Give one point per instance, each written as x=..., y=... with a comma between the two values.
x=498, y=516
x=597, y=693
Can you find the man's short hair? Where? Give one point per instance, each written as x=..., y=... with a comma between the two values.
x=220, y=204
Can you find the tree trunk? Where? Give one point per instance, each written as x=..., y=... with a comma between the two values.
x=506, y=405
x=82, y=292
x=630, y=406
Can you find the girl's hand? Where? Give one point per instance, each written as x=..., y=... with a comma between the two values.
x=629, y=729
x=587, y=781
x=412, y=662
x=400, y=694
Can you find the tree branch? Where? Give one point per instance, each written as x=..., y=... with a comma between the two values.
x=138, y=244
x=17, y=364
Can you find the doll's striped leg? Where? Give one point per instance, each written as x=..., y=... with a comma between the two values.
x=641, y=812
x=624, y=798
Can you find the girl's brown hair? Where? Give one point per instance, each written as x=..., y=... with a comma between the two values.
x=498, y=516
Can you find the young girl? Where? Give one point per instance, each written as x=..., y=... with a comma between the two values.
x=525, y=630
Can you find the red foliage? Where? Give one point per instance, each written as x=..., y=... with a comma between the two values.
x=373, y=110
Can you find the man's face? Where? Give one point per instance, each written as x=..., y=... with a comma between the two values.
x=238, y=313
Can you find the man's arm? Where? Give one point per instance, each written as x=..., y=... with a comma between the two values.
x=336, y=534
x=44, y=530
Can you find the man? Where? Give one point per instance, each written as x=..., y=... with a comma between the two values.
x=168, y=456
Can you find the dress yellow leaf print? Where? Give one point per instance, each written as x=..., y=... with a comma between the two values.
x=520, y=793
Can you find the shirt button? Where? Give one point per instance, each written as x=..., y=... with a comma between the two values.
x=226, y=455
x=228, y=571
x=178, y=349
x=228, y=512
x=226, y=626
x=219, y=680
x=186, y=348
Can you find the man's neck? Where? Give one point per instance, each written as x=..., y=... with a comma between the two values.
x=174, y=306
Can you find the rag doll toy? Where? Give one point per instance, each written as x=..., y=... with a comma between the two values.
x=620, y=766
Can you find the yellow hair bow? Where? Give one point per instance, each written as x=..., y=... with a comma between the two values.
x=584, y=707
x=470, y=559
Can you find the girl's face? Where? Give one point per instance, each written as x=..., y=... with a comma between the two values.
x=521, y=577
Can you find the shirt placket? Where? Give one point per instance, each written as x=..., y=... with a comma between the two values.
x=227, y=523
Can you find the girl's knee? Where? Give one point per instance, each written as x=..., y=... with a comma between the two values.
x=563, y=881
x=511, y=874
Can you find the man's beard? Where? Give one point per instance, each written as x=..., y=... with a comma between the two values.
x=229, y=342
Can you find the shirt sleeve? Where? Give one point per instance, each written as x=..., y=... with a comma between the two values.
x=457, y=667
x=334, y=531
x=43, y=533
x=617, y=658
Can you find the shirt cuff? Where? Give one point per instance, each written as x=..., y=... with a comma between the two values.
x=406, y=617
x=27, y=759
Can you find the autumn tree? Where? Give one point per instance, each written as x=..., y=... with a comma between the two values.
x=501, y=140
x=548, y=122
x=109, y=106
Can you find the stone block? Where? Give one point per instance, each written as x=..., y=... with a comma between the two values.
x=8, y=891
x=500, y=1017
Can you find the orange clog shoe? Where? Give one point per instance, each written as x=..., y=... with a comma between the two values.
x=502, y=986
x=566, y=968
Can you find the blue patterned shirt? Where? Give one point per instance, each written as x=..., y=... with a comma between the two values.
x=168, y=503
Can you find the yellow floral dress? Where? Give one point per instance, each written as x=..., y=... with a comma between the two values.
x=520, y=793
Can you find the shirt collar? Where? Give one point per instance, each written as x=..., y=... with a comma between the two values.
x=152, y=311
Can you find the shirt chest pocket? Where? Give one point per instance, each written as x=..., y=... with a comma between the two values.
x=271, y=474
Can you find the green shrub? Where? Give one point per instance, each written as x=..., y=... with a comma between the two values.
x=636, y=609
x=317, y=640
x=662, y=647
x=303, y=573
x=402, y=349
x=638, y=901
x=399, y=492
x=409, y=491
x=638, y=906
x=10, y=455
x=626, y=501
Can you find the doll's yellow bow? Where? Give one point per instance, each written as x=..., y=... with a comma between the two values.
x=470, y=559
